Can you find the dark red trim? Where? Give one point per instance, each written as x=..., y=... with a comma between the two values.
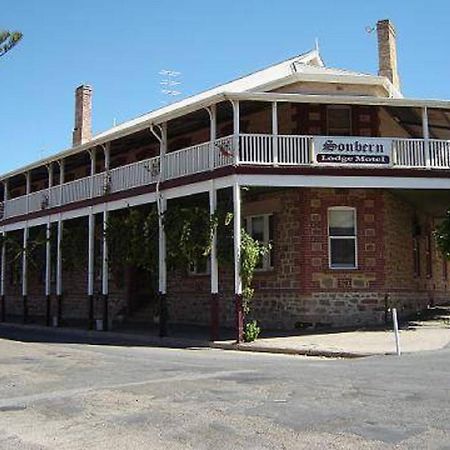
x=214, y=330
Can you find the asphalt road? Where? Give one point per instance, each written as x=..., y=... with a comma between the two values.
x=67, y=395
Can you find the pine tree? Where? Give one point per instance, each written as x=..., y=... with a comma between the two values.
x=8, y=39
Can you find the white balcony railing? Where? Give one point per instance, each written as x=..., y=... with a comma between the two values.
x=253, y=149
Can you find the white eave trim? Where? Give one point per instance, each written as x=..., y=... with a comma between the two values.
x=337, y=99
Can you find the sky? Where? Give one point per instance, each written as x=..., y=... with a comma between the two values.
x=120, y=47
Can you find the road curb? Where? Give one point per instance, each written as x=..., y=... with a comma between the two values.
x=290, y=351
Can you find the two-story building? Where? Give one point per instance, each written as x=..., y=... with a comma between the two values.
x=346, y=179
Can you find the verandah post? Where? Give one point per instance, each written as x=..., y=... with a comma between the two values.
x=25, y=273
x=105, y=272
x=162, y=263
x=2, y=277
x=275, y=133
x=236, y=131
x=426, y=136
x=48, y=263
x=59, y=285
x=237, y=262
x=91, y=243
x=214, y=333
x=162, y=268
x=105, y=262
x=48, y=252
x=90, y=280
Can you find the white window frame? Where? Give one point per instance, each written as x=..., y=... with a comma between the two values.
x=346, y=107
x=353, y=237
x=267, y=263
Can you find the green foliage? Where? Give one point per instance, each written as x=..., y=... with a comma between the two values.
x=133, y=240
x=252, y=252
x=251, y=331
x=74, y=248
x=442, y=236
x=189, y=233
x=9, y=39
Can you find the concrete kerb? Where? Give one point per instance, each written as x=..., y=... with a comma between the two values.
x=120, y=338
x=290, y=351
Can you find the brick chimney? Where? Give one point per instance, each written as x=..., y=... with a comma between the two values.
x=83, y=115
x=387, y=52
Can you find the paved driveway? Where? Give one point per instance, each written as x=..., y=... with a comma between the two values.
x=80, y=396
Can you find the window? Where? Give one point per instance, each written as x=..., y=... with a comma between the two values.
x=342, y=238
x=339, y=121
x=261, y=229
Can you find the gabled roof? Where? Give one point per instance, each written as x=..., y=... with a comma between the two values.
x=308, y=66
x=258, y=81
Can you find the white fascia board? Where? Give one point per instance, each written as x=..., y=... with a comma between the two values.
x=350, y=182
x=338, y=99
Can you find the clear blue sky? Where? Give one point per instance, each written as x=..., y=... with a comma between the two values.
x=119, y=48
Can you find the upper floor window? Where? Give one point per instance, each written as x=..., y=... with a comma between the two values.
x=342, y=238
x=260, y=228
x=339, y=120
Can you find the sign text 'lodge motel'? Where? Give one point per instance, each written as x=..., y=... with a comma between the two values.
x=349, y=150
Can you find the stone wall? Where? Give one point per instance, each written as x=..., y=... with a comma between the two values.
x=301, y=289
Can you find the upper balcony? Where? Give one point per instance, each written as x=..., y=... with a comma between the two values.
x=254, y=135
x=253, y=149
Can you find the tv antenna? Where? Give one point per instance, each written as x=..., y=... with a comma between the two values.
x=169, y=82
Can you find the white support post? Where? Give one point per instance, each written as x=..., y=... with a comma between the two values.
x=214, y=264
x=212, y=111
x=48, y=269
x=50, y=175
x=92, y=155
x=396, y=332
x=59, y=257
x=162, y=246
x=163, y=151
x=25, y=273
x=236, y=130
x=2, y=278
x=275, y=132
x=3, y=267
x=105, y=268
x=59, y=268
x=5, y=199
x=28, y=189
x=214, y=269
x=48, y=262
x=91, y=249
x=24, y=261
x=426, y=136
x=61, y=180
x=237, y=261
x=105, y=271
x=162, y=266
x=107, y=155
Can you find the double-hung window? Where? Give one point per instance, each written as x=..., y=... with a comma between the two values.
x=342, y=241
x=260, y=228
